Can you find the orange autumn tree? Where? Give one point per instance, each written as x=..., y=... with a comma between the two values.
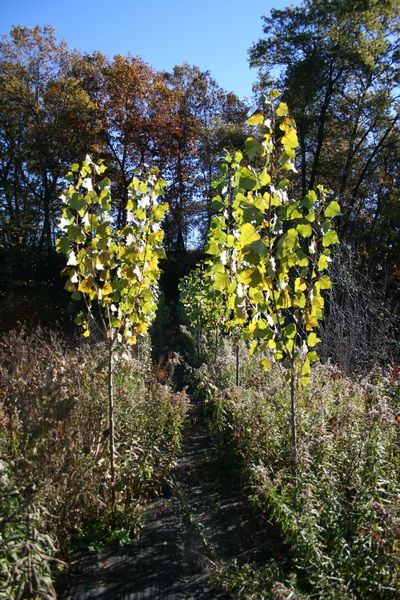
x=140, y=118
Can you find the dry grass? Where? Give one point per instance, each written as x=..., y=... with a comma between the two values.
x=54, y=443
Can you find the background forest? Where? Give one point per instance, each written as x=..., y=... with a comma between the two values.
x=336, y=64
x=93, y=431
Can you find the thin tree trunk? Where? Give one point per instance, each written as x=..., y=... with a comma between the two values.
x=111, y=421
x=237, y=365
x=293, y=417
x=322, y=123
x=46, y=228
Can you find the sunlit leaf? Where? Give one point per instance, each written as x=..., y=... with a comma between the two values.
x=282, y=109
x=332, y=210
x=248, y=234
x=304, y=230
x=256, y=119
x=312, y=339
x=330, y=238
x=290, y=139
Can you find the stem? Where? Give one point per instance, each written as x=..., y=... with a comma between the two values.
x=111, y=420
x=237, y=364
x=293, y=416
x=198, y=344
x=28, y=550
x=11, y=432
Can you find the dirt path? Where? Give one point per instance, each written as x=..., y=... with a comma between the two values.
x=204, y=520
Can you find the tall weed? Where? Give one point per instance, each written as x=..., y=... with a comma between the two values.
x=340, y=510
x=54, y=453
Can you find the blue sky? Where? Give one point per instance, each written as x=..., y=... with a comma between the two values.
x=213, y=34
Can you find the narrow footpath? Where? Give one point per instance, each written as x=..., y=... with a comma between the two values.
x=202, y=520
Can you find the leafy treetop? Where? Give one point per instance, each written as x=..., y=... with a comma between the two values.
x=114, y=270
x=269, y=253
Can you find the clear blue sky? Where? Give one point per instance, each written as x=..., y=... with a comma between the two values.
x=213, y=34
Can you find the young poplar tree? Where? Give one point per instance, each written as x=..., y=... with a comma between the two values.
x=114, y=271
x=269, y=252
x=203, y=308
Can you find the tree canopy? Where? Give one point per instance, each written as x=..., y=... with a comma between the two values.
x=337, y=63
x=58, y=105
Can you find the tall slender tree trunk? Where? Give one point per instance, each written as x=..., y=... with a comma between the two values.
x=293, y=416
x=237, y=365
x=111, y=421
x=322, y=124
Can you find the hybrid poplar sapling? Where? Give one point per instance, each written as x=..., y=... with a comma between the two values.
x=269, y=253
x=203, y=308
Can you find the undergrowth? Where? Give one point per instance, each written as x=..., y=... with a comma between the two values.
x=55, y=480
x=339, y=512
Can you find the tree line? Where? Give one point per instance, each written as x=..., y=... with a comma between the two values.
x=335, y=62
x=58, y=105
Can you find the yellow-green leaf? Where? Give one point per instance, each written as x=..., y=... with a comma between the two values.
x=332, y=210
x=325, y=282
x=290, y=139
x=256, y=119
x=86, y=285
x=304, y=230
x=322, y=263
x=299, y=285
x=221, y=281
x=248, y=234
x=329, y=238
x=312, y=339
x=282, y=109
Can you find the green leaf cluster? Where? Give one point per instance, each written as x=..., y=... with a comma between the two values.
x=115, y=270
x=268, y=253
x=203, y=307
